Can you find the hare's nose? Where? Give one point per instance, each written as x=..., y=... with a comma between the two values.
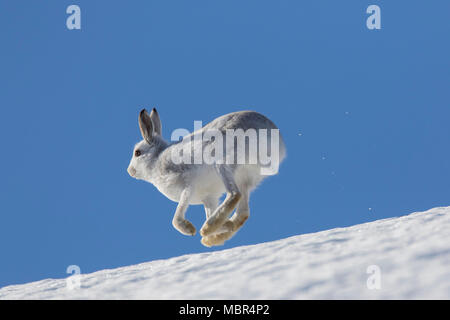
x=131, y=171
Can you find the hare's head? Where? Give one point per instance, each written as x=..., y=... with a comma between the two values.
x=146, y=151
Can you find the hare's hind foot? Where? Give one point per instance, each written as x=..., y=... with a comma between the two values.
x=217, y=239
x=220, y=216
x=228, y=226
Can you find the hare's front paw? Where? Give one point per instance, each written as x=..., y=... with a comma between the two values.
x=184, y=226
x=207, y=229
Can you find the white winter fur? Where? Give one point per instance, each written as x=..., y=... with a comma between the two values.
x=201, y=183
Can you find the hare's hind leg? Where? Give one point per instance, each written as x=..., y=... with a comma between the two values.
x=211, y=205
x=242, y=212
x=231, y=226
x=220, y=235
x=220, y=215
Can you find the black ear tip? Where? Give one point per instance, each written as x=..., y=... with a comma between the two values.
x=142, y=111
x=154, y=110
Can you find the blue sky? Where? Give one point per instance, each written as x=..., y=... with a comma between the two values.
x=364, y=113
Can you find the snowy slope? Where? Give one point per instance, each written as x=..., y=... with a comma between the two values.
x=411, y=253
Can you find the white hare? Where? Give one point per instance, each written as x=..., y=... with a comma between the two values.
x=203, y=182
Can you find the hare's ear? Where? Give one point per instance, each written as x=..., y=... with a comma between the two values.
x=157, y=127
x=146, y=126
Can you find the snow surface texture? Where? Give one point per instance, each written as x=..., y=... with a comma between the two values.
x=411, y=253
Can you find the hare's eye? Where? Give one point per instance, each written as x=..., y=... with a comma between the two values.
x=137, y=153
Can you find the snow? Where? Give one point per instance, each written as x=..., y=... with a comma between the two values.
x=409, y=255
